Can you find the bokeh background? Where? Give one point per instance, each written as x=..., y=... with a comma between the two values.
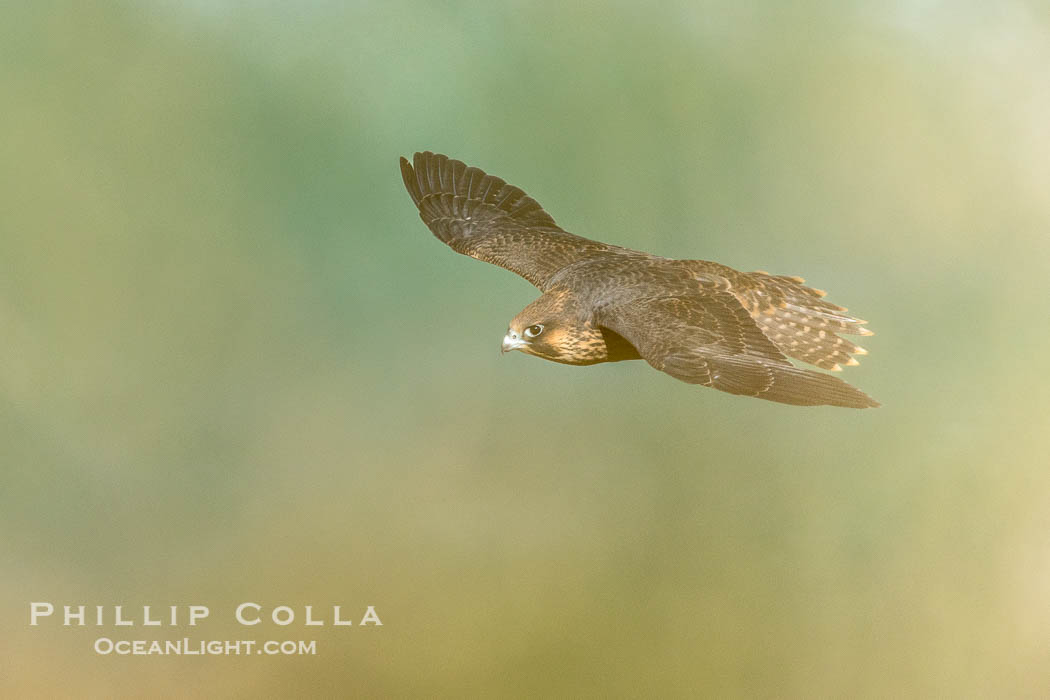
x=234, y=365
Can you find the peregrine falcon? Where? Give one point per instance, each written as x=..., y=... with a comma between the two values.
x=698, y=321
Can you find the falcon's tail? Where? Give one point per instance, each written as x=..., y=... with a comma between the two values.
x=804, y=326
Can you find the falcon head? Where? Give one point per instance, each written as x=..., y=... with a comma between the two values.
x=548, y=328
x=553, y=340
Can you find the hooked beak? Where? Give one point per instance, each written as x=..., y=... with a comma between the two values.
x=511, y=341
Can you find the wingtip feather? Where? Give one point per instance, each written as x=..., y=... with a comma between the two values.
x=408, y=174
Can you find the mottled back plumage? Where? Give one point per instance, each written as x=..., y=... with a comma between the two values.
x=699, y=321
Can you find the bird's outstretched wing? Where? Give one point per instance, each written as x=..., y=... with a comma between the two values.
x=712, y=340
x=482, y=216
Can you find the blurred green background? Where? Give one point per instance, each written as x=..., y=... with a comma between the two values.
x=234, y=365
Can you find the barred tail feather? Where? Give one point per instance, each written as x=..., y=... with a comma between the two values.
x=804, y=326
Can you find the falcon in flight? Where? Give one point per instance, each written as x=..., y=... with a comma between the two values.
x=701, y=322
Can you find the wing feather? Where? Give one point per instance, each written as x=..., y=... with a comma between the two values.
x=482, y=216
x=710, y=339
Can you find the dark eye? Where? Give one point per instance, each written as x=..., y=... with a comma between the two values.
x=533, y=331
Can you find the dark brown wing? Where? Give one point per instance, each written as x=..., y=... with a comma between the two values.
x=711, y=339
x=482, y=216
